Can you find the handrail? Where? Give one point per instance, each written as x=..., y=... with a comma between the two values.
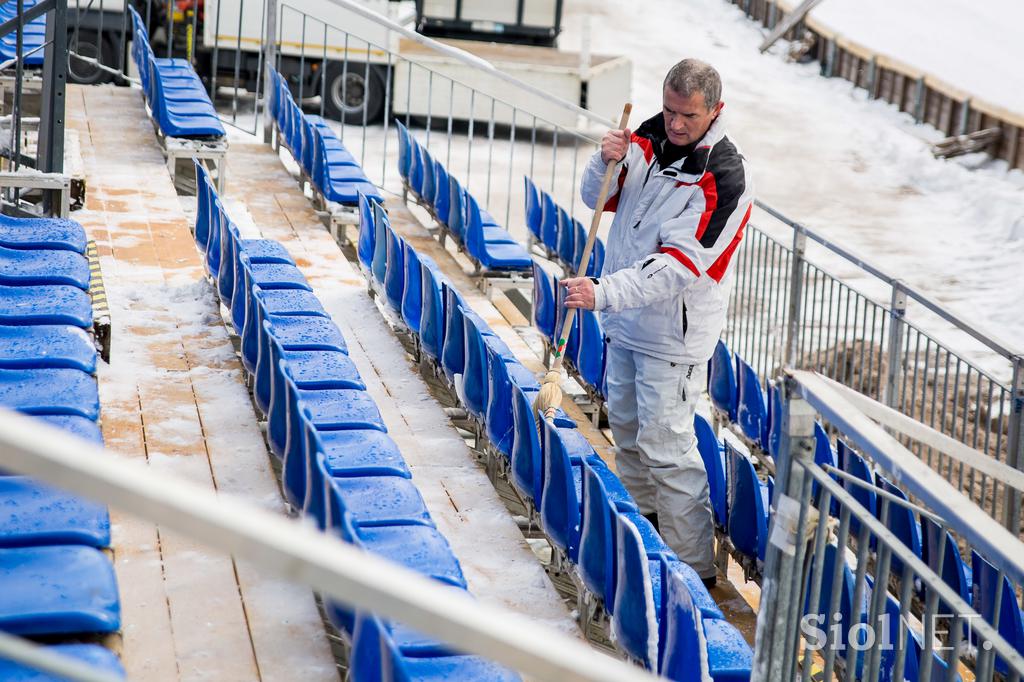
x=1004, y=348
x=298, y=552
x=470, y=60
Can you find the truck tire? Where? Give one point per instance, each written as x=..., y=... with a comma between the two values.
x=88, y=44
x=347, y=92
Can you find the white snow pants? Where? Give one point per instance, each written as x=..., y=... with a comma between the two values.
x=651, y=403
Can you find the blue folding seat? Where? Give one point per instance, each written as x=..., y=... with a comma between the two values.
x=262, y=277
x=901, y=522
x=330, y=409
x=457, y=206
x=492, y=249
x=549, y=222
x=381, y=655
x=565, y=243
x=428, y=192
x=35, y=267
x=412, y=297
x=35, y=514
x=533, y=209
x=432, y=317
x=526, y=473
x=58, y=234
x=95, y=656
x=954, y=572
x=394, y=271
x=442, y=194
x=848, y=615
x=404, y=151
x=722, y=381
x=80, y=427
x=475, y=378
x=752, y=413
x=418, y=170
x=370, y=501
x=596, y=263
x=204, y=191
x=453, y=354
x=773, y=436
x=544, y=308
x=637, y=611
x=688, y=639
x=341, y=183
x=191, y=116
x=58, y=589
x=367, y=231
x=572, y=343
x=503, y=370
x=50, y=391
x=590, y=357
x=985, y=594
x=483, y=224
x=712, y=452
x=27, y=305
x=856, y=465
x=747, y=502
x=381, y=227
x=263, y=304
x=45, y=347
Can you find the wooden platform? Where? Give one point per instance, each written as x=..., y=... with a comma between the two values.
x=173, y=395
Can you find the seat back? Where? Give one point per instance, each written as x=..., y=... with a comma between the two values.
x=415, y=164
x=711, y=453
x=412, y=303
x=681, y=644
x=560, y=504
x=986, y=583
x=453, y=354
x=549, y=222
x=590, y=357
x=572, y=342
x=403, y=150
x=379, y=265
x=902, y=522
x=442, y=194
x=597, y=539
x=857, y=466
x=848, y=615
x=474, y=375
x=531, y=197
x=596, y=263
x=394, y=270
x=427, y=188
x=366, y=231
x=634, y=618
x=935, y=540
x=544, y=312
x=722, y=381
x=566, y=241
x=432, y=320
x=202, y=226
x=456, y=209
x=499, y=418
x=748, y=517
x=526, y=450
x=752, y=413
x=774, y=428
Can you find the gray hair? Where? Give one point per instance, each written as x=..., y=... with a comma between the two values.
x=693, y=75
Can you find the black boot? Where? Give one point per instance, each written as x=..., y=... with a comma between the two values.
x=653, y=518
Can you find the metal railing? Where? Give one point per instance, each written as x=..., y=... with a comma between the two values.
x=843, y=596
x=299, y=553
x=787, y=310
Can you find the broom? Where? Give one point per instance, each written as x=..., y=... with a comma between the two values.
x=550, y=397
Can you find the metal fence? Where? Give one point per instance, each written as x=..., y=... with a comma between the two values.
x=788, y=310
x=843, y=596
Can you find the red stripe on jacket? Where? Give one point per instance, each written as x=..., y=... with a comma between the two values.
x=718, y=268
x=710, y=188
x=682, y=258
x=613, y=203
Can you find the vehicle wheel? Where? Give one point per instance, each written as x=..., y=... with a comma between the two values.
x=87, y=44
x=347, y=92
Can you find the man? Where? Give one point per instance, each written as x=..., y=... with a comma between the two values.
x=681, y=202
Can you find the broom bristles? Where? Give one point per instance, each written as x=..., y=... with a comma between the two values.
x=549, y=399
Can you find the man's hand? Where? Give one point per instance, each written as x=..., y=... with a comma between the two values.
x=581, y=292
x=614, y=145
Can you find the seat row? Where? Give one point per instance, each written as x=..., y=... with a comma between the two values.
x=331, y=169
x=177, y=98
x=489, y=245
x=599, y=537
x=54, y=579
x=339, y=466
x=737, y=396
x=554, y=230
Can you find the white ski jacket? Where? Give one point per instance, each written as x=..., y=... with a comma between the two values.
x=665, y=286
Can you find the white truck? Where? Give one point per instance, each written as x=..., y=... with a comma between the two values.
x=338, y=50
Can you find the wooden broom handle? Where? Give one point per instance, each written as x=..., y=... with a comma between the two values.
x=595, y=222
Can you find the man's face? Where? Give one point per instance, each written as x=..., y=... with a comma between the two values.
x=687, y=119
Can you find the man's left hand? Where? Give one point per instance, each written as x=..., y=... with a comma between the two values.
x=581, y=292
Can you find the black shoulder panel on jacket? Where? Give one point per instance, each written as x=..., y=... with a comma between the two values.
x=726, y=167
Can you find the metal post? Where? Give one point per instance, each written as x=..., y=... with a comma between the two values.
x=269, y=59
x=1015, y=444
x=796, y=287
x=872, y=76
x=50, y=157
x=919, y=100
x=965, y=115
x=775, y=649
x=897, y=311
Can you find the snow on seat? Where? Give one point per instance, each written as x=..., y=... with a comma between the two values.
x=94, y=655
x=46, y=347
x=86, y=429
x=35, y=267
x=59, y=589
x=50, y=391
x=42, y=233
x=35, y=514
x=370, y=501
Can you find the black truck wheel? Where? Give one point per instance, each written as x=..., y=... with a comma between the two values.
x=352, y=97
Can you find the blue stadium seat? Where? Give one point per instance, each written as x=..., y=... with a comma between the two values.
x=46, y=346
x=722, y=381
x=42, y=233
x=428, y=190
x=25, y=305
x=36, y=267
x=596, y=264
x=412, y=296
x=848, y=615
x=265, y=304
x=475, y=379
x=954, y=572
x=572, y=343
x=532, y=207
x=404, y=151
x=688, y=639
x=549, y=222
x=752, y=413
x=857, y=466
x=394, y=271
x=747, y=503
x=565, y=242
x=525, y=474
x=59, y=589
x=902, y=523
x=712, y=452
x=492, y=249
x=177, y=97
x=590, y=357
x=367, y=231
x=417, y=169
x=456, y=210
x=453, y=355
x=545, y=311
x=50, y=391
x=370, y=501
x=442, y=194
x=80, y=427
x=773, y=437
x=35, y=514
x=94, y=655
x=985, y=594
x=341, y=183
x=432, y=316
x=379, y=264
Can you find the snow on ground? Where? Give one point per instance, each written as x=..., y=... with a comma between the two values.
x=974, y=46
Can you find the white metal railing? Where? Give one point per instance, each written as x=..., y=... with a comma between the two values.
x=299, y=553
